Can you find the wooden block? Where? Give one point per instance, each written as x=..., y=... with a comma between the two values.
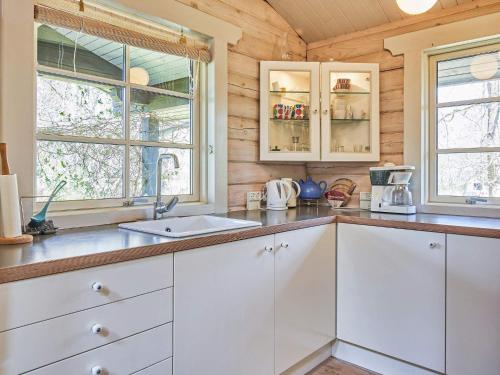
x=253, y=173
x=391, y=122
x=243, y=106
x=392, y=80
x=242, y=64
x=242, y=150
x=243, y=128
x=391, y=143
x=391, y=101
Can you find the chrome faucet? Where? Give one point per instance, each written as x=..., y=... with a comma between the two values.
x=160, y=207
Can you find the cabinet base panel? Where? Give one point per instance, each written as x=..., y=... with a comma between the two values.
x=310, y=362
x=374, y=361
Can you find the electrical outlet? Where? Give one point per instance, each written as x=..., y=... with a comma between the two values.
x=254, y=196
x=253, y=200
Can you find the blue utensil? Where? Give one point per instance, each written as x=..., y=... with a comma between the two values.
x=41, y=216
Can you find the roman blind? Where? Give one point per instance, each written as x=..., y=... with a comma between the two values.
x=105, y=24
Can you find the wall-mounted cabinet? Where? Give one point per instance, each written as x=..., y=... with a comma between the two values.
x=289, y=111
x=292, y=128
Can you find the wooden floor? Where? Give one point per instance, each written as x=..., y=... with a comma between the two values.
x=334, y=366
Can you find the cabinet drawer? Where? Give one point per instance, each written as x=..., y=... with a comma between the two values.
x=122, y=357
x=34, y=300
x=162, y=368
x=39, y=344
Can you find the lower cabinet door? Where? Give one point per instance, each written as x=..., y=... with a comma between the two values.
x=473, y=306
x=125, y=356
x=224, y=309
x=391, y=292
x=305, y=293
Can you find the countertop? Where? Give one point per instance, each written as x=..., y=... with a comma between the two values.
x=75, y=249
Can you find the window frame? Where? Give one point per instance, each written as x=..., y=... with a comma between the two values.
x=198, y=122
x=431, y=145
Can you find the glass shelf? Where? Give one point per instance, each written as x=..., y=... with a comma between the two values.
x=349, y=119
x=289, y=92
x=349, y=92
x=277, y=121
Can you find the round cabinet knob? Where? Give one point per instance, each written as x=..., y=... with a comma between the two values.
x=315, y=111
x=433, y=245
x=284, y=245
x=97, y=329
x=325, y=111
x=97, y=370
x=269, y=249
x=97, y=287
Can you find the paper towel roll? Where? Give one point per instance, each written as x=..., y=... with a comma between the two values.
x=10, y=215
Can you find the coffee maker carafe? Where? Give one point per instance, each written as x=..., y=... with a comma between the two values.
x=390, y=192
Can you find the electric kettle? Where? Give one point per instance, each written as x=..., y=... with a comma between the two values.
x=277, y=193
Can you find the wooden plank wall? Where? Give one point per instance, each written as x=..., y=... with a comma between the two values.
x=263, y=33
x=367, y=46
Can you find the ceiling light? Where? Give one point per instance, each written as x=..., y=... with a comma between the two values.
x=139, y=76
x=484, y=66
x=415, y=6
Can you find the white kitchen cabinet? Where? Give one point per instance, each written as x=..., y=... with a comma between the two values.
x=473, y=305
x=146, y=350
x=289, y=111
x=391, y=292
x=36, y=345
x=116, y=316
x=224, y=309
x=305, y=293
x=47, y=297
x=350, y=112
x=293, y=127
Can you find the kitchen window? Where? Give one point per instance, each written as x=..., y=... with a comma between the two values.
x=464, y=126
x=105, y=111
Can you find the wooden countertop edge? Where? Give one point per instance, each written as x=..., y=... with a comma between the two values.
x=425, y=227
x=51, y=267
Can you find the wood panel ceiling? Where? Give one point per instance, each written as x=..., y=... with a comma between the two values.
x=316, y=20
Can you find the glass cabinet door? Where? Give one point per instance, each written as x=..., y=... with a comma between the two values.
x=289, y=111
x=350, y=112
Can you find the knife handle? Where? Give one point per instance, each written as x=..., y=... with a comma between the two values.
x=3, y=156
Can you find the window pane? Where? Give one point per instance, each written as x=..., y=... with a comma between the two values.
x=79, y=108
x=143, y=171
x=93, y=55
x=159, y=118
x=156, y=69
x=92, y=171
x=467, y=126
x=469, y=174
x=471, y=77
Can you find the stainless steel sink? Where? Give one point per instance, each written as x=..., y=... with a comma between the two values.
x=188, y=226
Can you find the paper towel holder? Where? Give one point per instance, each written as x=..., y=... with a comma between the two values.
x=5, y=171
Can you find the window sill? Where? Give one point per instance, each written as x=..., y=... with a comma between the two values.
x=103, y=216
x=461, y=209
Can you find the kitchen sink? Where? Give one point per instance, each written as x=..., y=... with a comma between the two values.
x=188, y=226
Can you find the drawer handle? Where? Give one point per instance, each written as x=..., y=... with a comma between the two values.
x=269, y=249
x=97, y=329
x=284, y=245
x=97, y=287
x=97, y=370
x=433, y=245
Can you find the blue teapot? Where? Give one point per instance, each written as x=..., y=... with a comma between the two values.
x=312, y=190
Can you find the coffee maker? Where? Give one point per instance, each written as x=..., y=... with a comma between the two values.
x=390, y=191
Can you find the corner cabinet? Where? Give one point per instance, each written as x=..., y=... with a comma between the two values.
x=319, y=112
x=289, y=111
